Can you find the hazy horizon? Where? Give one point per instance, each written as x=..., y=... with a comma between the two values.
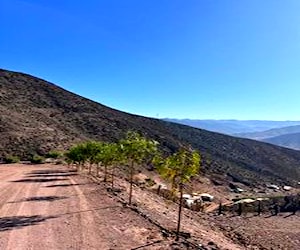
x=230, y=119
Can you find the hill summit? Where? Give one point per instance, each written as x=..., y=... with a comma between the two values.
x=37, y=116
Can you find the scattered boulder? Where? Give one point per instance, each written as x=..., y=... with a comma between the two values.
x=194, y=204
x=272, y=186
x=140, y=178
x=262, y=199
x=189, y=202
x=217, y=182
x=232, y=185
x=235, y=188
x=143, y=180
x=238, y=190
x=245, y=201
x=206, y=197
x=186, y=196
x=287, y=188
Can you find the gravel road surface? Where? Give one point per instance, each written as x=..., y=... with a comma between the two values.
x=51, y=207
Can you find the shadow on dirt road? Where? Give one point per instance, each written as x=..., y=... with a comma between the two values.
x=15, y=222
x=41, y=198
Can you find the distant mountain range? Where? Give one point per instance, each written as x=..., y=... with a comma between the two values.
x=282, y=133
x=288, y=140
x=232, y=127
x=270, y=133
x=286, y=136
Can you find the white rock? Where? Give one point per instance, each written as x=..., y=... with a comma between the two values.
x=287, y=188
x=262, y=199
x=245, y=201
x=189, y=202
x=186, y=196
x=239, y=190
x=206, y=197
x=273, y=187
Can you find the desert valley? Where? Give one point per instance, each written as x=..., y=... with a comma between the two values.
x=248, y=190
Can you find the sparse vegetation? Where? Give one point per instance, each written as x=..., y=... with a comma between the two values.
x=137, y=149
x=37, y=159
x=109, y=156
x=54, y=154
x=11, y=159
x=178, y=169
x=76, y=155
x=67, y=117
x=229, y=159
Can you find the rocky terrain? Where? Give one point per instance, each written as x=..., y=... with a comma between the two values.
x=38, y=116
x=54, y=207
x=76, y=208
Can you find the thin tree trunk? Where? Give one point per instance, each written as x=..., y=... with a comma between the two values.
x=158, y=189
x=90, y=168
x=112, y=178
x=173, y=184
x=220, y=208
x=105, y=172
x=179, y=212
x=240, y=209
x=81, y=167
x=259, y=208
x=131, y=182
x=97, y=170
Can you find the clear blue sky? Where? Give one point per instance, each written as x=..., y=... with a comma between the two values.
x=162, y=58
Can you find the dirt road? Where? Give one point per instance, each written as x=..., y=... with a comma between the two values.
x=51, y=207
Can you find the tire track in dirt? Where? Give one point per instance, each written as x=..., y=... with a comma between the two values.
x=61, y=212
x=22, y=210
x=58, y=217
x=63, y=230
x=18, y=211
x=66, y=220
x=88, y=230
x=6, y=187
x=124, y=229
x=11, y=192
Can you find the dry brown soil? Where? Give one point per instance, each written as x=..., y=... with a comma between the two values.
x=51, y=207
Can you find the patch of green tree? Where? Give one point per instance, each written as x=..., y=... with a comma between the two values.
x=178, y=169
x=54, y=154
x=131, y=152
x=11, y=159
x=37, y=159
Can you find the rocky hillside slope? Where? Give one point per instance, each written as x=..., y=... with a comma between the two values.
x=37, y=116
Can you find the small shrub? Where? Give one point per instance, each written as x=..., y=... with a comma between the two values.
x=37, y=159
x=150, y=182
x=53, y=154
x=60, y=162
x=11, y=159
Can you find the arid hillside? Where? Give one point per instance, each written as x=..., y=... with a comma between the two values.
x=37, y=116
